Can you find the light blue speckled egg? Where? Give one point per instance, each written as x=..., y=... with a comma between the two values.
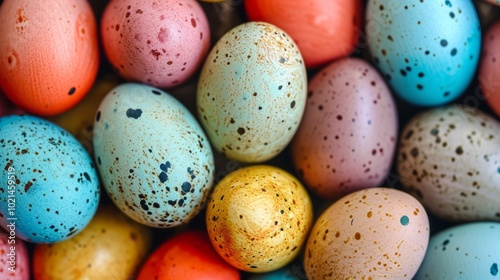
x=154, y=159
x=467, y=251
x=291, y=272
x=428, y=51
x=49, y=186
x=252, y=92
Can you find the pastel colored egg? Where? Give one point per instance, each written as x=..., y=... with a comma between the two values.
x=428, y=58
x=189, y=256
x=157, y=42
x=154, y=159
x=488, y=74
x=258, y=218
x=49, y=54
x=111, y=247
x=323, y=30
x=49, y=182
x=339, y=149
x=252, y=92
x=376, y=233
x=14, y=257
x=449, y=158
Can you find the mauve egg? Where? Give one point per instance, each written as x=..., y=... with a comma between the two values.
x=489, y=70
x=347, y=137
x=156, y=42
x=14, y=258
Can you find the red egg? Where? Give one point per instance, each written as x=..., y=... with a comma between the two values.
x=14, y=259
x=489, y=70
x=323, y=30
x=49, y=54
x=187, y=256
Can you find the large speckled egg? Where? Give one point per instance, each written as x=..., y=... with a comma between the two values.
x=258, y=218
x=467, y=251
x=14, y=258
x=339, y=149
x=154, y=159
x=49, y=54
x=158, y=42
x=111, y=247
x=376, y=233
x=252, y=92
x=49, y=184
x=489, y=71
x=429, y=58
x=449, y=158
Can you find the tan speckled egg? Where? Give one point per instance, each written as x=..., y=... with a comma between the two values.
x=252, y=92
x=258, y=218
x=449, y=158
x=376, y=233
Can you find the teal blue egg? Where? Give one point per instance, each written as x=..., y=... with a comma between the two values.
x=291, y=272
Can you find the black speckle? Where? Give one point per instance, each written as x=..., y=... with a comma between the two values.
x=186, y=187
x=292, y=105
x=144, y=205
x=71, y=91
x=420, y=87
x=181, y=202
x=282, y=60
x=163, y=177
x=494, y=269
x=98, y=116
x=131, y=113
x=241, y=131
x=459, y=150
x=86, y=175
x=280, y=87
x=452, y=14
x=156, y=205
x=444, y=43
x=156, y=92
x=99, y=160
x=453, y=52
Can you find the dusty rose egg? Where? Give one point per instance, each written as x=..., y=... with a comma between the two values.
x=157, y=42
x=14, y=258
x=489, y=70
x=48, y=53
x=347, y=137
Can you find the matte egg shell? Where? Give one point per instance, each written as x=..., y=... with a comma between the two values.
x=49, y=54
x=156, y=42
x=449, y=158
x=428, y=58
x=252, y=92
x=187, y=256
x=339, y=149
x=14, y=258
x=467, y=251
x=376, y=233
x=111, y=247
x=48, y=176
x=489, y=70
x=154, y=159
x=258, y=218
x=323, y=30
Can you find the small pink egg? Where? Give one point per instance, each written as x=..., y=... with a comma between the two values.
x=14, y=259
x=347, y=137
x=489, y=70
x=157, y=42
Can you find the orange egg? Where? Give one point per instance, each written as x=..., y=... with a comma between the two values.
x=49, y=54
x=187, y=256
x=323, y=30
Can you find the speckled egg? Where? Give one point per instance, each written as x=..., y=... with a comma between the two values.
x=157, y=42
x=468, y=251
x=428, y=58
x=339, y=149
x=49, y=55
x=111, y=247
x=258, y=218
x=489, y=70
x=154, y=159
x=252, y=92
x=449, y=158
x=50, y=188
x=376, y=233
x=14, y=258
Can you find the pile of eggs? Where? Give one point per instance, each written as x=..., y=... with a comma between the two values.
x=255, y=139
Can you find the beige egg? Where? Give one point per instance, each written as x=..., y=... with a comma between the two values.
x=376, y=233
x=258, y=218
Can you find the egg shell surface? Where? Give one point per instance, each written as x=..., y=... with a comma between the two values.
x=49, y=177
x=489, y=70
x=15, y=264
x=154, y=159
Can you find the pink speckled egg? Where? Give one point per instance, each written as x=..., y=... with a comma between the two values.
x=489, y=70
x=14, y=258
x=156, y=42
x=347, y=137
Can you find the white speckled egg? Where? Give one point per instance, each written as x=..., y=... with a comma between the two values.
x=449, y=158
x=153, y=157
x=339, y=149
x=376, y=233
x=49, y=186
x=468, y=251
x=252, y=92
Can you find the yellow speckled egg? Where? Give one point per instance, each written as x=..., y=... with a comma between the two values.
x=111, y=247
x=376, y=233
x=258, y=217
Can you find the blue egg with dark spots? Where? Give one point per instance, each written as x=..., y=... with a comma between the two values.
x=428, y=51
x=291, y=272
x=49, y=187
